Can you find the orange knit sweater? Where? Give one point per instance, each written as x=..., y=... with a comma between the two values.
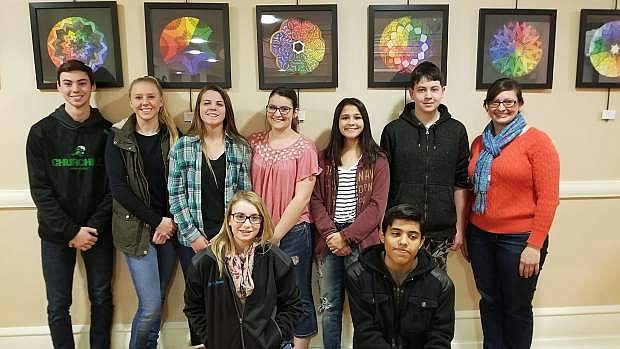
x=524, y=188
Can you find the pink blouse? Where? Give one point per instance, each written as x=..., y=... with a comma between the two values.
x=275, y=172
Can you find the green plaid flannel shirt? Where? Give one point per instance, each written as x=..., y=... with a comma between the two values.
x=184, y=187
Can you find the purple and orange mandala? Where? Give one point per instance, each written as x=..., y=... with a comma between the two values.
x=77, y=38
x=516, y=49
x=298, y=46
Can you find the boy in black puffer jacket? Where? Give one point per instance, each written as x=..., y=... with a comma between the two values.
x=399, y=298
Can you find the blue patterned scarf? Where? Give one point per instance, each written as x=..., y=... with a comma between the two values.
x=492, y=146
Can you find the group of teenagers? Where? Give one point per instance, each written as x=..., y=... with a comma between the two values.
x=246, y=217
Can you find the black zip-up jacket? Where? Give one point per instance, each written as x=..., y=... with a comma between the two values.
x=426, y=166
x=269, y=315
x=66, y=171
x=417, y=314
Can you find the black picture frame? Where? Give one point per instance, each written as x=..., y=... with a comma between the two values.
x=98, y=46
x=531, y=66
x=304, y=69
x=597, y=26
x=427, y=40
x=192, y=58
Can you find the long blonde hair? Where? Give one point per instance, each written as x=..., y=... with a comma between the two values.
x=163, y=116
x=196, y=128
x=223, y=243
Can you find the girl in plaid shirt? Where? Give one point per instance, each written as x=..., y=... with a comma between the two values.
x=207, y=166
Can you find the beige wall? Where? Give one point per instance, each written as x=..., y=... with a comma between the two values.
x=582, y=265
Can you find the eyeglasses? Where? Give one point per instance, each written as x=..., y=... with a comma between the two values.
x=241, y=217
x=271, y=109
x=507, y=103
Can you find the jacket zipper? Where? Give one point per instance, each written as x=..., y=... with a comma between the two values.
x=240, y=314
x=426, y=170
x=396, y=340
x=241, y=324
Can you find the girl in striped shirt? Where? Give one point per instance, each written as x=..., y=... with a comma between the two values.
x=347, y=203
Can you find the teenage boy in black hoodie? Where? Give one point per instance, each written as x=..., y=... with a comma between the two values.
x=398, y=298
x=428, y=152
x=68, y=183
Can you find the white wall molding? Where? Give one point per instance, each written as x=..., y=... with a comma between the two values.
x=590, y=189
x=599, y=189
x=16, y=198
x=592, y=327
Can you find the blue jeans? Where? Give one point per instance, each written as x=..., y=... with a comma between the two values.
x=58, y=262
x=151, y=275
x=505, y=297
x=332, y=273
x=297, y=243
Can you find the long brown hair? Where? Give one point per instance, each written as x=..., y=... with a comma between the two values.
x=230, y=127
x=163, y=116
x=196, y=128
x=223, y=243
x=367, y=144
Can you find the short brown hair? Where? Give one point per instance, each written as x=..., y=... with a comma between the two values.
x=428, y=70
x=75, y=65
x=502, y=85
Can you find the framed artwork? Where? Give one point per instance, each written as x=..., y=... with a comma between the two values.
x=517, y=44
x=188, y=44
x=598, y=57
x=86, y=31
x=297, y=46
x=402, y=36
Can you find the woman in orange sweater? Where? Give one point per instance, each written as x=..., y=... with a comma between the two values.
x=515, y=170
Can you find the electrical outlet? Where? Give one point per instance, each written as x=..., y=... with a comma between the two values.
x=301, y=116
x=188, y=116
x=608, y=114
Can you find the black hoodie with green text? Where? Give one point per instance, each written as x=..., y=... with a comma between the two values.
x=67, y=175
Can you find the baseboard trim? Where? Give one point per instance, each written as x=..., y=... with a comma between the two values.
x=592, y=327
x=20, y=198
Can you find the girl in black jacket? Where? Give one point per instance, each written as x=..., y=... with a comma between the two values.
x=241, y=291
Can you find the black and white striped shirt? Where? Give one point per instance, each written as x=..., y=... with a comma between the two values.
x=346, y=194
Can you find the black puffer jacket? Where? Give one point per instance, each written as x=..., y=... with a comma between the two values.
x=426, y=166
x=417, y=314
x=267, y=318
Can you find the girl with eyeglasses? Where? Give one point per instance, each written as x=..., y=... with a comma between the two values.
x=348, y=203
x=142, y=226
x=241, y=291
x=207, y=166
x=515, y=171
x=284, y=168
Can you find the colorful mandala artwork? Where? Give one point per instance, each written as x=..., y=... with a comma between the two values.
x=298, y=46
x=604, y=49
x=404, y=43
x=515, y=49
x=77, y=38
x=184, y=45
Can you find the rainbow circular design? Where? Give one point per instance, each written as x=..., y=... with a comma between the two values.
x=77, y=38
x=604, y=49
x=404, y=43
x=298, y=46
x=515, y=49
x=184, y=45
